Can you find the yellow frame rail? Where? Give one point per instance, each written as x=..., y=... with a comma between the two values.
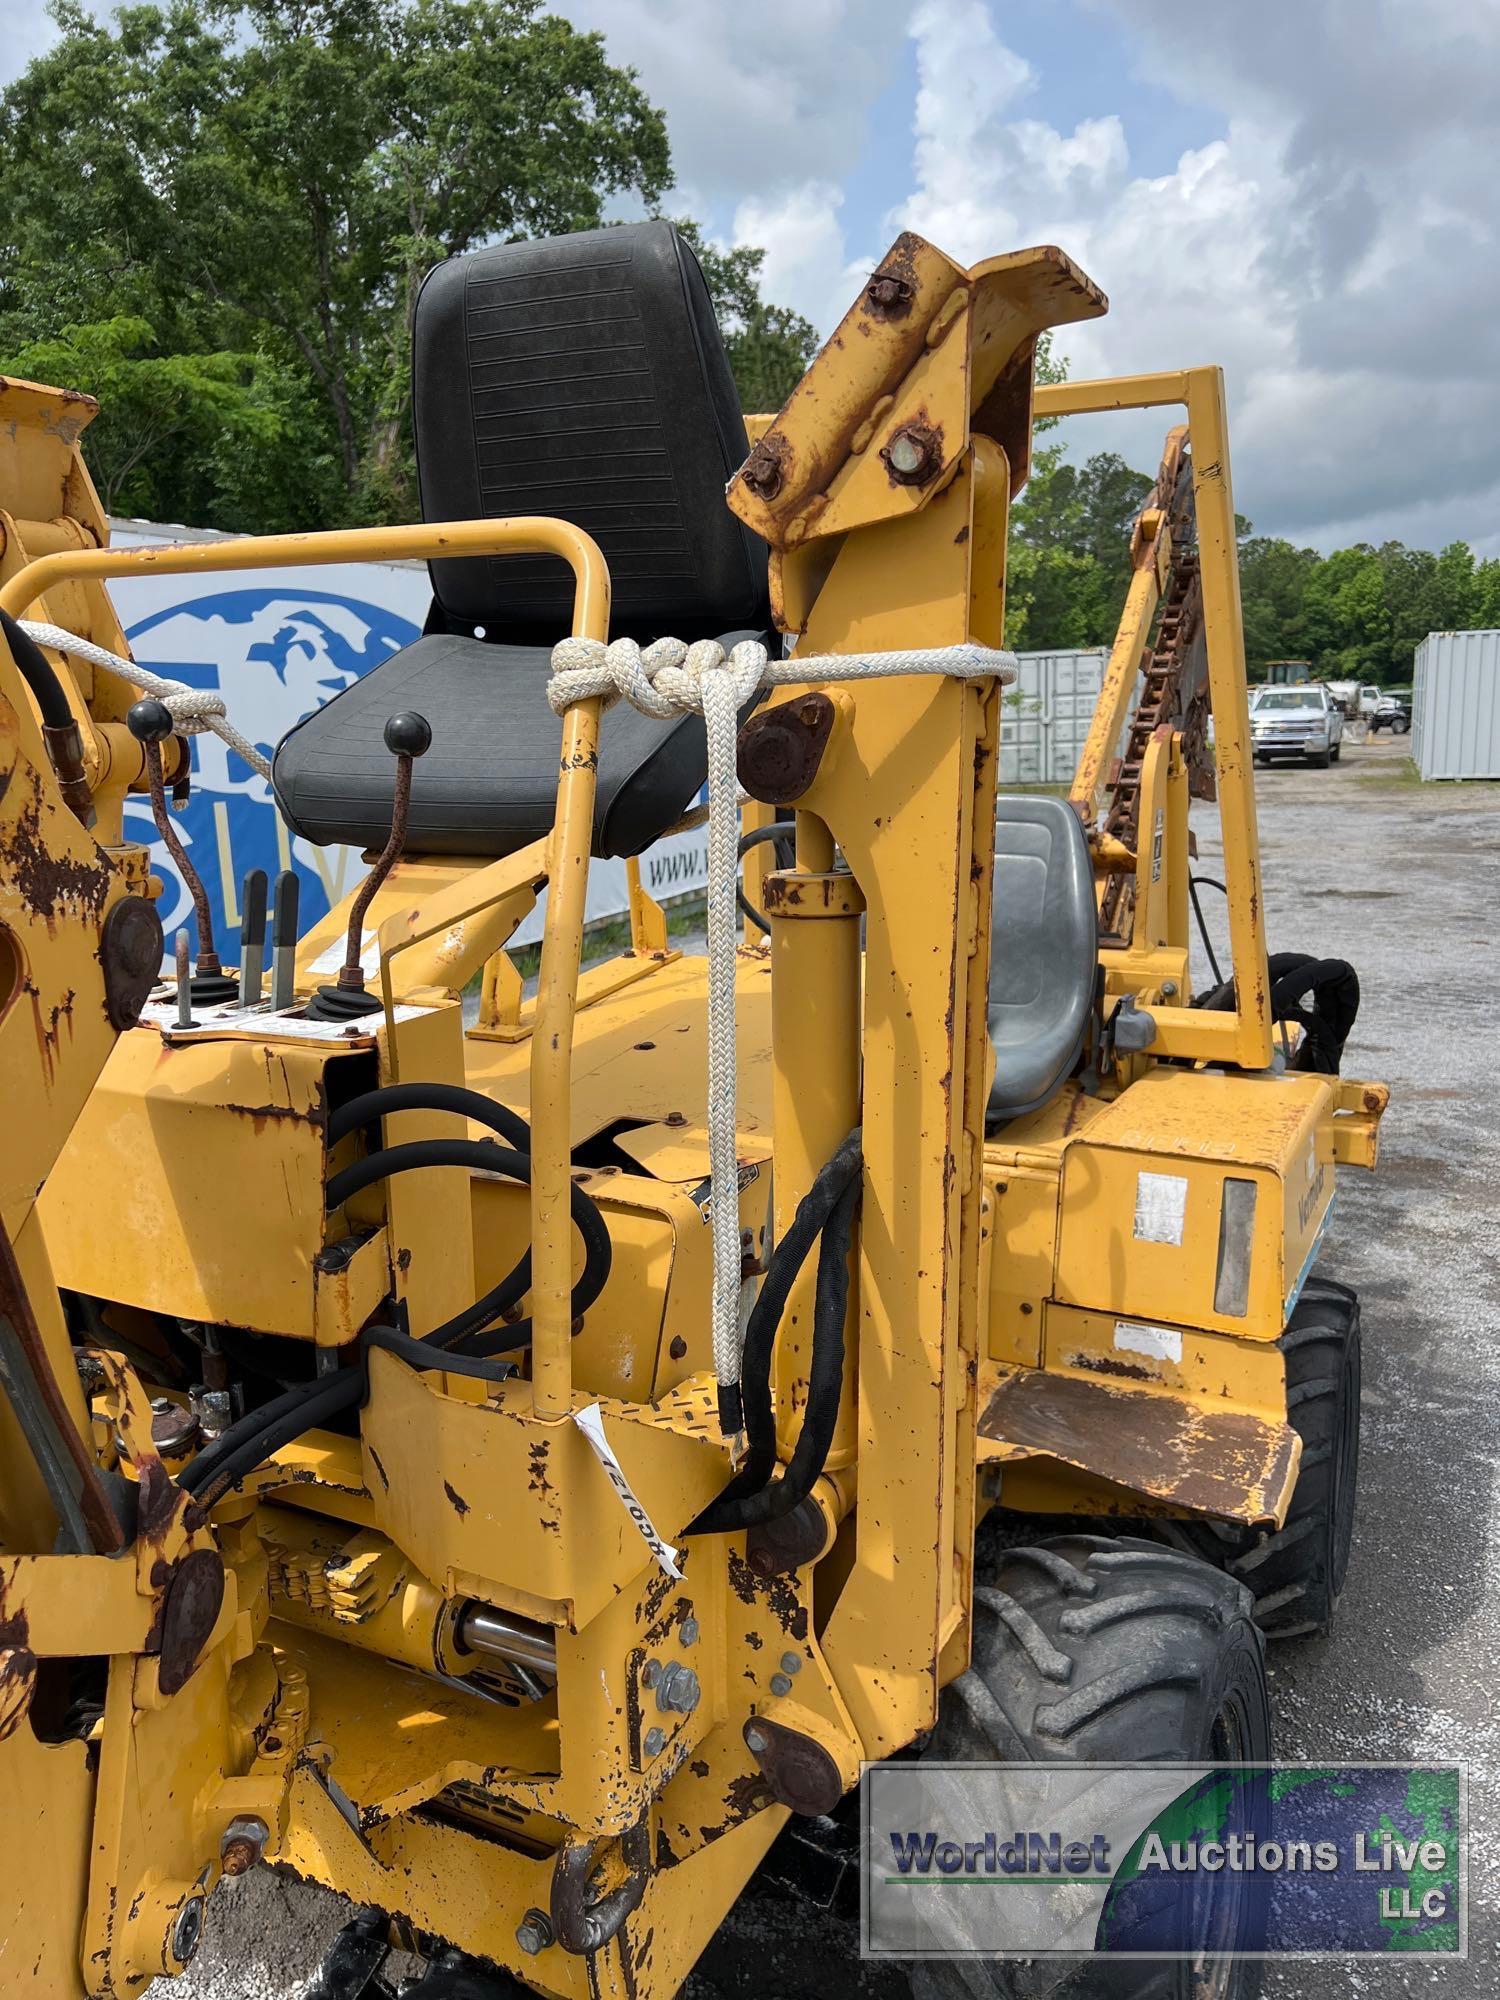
x=1245, y=1036
x=568, y=847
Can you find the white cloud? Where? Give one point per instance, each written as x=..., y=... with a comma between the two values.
x=760, y=97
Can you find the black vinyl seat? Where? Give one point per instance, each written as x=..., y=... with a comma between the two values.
x=583, y=377
x=1044, y=952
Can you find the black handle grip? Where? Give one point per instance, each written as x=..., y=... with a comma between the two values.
x=253, y=908
x=284, y=909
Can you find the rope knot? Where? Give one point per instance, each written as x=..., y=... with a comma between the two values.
x=665, y=679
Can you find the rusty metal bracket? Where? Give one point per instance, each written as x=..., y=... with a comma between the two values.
x=586, y=1916
x=779, y=750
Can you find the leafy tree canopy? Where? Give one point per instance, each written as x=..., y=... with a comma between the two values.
x=254, y=189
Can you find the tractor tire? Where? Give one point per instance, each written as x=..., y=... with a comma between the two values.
x=1297, y=1573
x=1098, y=1649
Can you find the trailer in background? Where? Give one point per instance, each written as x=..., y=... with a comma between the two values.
x=1455, y=713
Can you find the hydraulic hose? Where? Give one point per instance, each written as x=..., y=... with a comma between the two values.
x=826, y=1211
x=38, y=674
x=392, y=1097
x=259, y=1435
x=1334, y=986
x=264, y=1431
x=484, y=1154
x=779, y=829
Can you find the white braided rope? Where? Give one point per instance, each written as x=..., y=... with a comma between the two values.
x=193, y=710
x=668, y=679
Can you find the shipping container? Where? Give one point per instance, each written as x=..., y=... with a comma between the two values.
x=1045, y=716
x=1455, y=707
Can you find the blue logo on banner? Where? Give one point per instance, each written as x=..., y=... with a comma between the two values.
x=275, y=655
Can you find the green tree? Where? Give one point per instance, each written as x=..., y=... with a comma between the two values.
x=196, y=437
x=279, y=174
x=1273, y=587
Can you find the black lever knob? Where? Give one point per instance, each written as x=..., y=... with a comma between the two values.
x=408, y=734
x=150, y=720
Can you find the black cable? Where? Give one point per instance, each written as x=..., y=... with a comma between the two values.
x=488, y=1157
x=38, y=674
x=779, y=829
x=813, y=1217
x=1207, y=882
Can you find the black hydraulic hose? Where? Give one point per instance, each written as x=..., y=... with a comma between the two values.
x=1206, y=882
x=392, y=1097
x=838, y=1180
x=374, y=1105
x=260, y=1434
x=38, y=674
x=264, y=1431
x=488, y=1157
x=779, y=829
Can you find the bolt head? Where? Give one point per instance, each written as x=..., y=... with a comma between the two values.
x=756, y=1740
x=780, y=1684
x=687, y=1632
x=655, y=1740
x=677, y=1689
x=791, y=1663
x=534, y=1932
x=651, y=1673
x=187, y=1932
x=906, y=455
x=408, y=734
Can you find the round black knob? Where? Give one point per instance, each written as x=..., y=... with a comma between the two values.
x=408, y=734
x=150, y=721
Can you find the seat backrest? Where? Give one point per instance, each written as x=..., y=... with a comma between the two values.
x=1044, y=953
x=585, y=376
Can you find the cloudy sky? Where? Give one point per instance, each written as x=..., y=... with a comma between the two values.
x=1305, y=191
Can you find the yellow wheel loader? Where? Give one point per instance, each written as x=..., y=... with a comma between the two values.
x=508, y=1464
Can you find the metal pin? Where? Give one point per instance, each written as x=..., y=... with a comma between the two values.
x=252, y=937
x=284, y=941
x=184, y=982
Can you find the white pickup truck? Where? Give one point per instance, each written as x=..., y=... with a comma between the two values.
x=1302, y=722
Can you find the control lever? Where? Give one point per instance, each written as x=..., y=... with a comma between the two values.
x=252, y=936
x=150, y=723
x=284, y=940
x=407, y=736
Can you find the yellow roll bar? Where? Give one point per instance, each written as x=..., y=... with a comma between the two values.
x=568, y=848
x=1243, y=1037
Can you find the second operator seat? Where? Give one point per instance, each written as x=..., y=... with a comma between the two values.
x=1044, y=953
x=583, y=377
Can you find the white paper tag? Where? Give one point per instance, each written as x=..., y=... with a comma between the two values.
x=1160, y=1207
x=1160, y=1343
x=591, y=1422
x=329, y=960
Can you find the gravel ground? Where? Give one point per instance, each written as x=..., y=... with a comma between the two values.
x=1397, y=878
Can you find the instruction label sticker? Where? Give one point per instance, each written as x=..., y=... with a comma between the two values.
x=1160, y=1207
x=591, y=1422
x=1157, y=1343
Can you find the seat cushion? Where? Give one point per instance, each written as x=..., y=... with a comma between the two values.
x=488, y=785
x=1044, y=952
